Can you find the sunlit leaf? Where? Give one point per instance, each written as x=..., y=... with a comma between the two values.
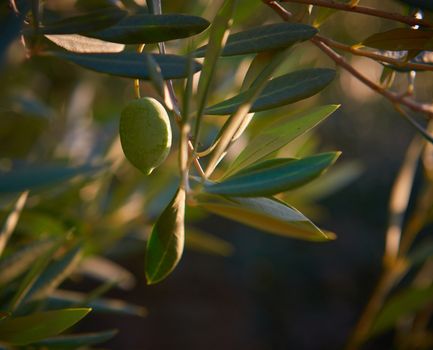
x=83, y=44
x=130, y=64
x=273, y=178
x=401, y=39
x=266, y=214
x=278, y=135
x=39, y=325
x=146, y=28
x=288, y=88
x=165, y=246
x=264, y=38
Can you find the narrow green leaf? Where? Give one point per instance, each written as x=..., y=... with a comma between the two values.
x=267, y=214
x=17, y=263
x=322, y=15
x=404, y=303
x=86, y=23
x=33, y=177
x=264, y=38
x=39, y=325
x=67, y=299
x=278, y=135
x=269, y=180
x=260, y=61
x=288, y=88
x=130, y=64
x=56, y=273
x=82, y=44
x=399, y=39
x=237, y=121
x=165, y=245
x=145, y=28
x=75, y=341
x=219, y=31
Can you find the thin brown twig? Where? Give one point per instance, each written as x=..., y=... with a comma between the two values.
x=393, y=97
x=393, y=16
x=375, y=56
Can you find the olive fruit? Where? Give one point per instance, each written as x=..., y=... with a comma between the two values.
x=145, y=133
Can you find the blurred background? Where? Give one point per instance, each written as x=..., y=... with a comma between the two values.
x=235, y=288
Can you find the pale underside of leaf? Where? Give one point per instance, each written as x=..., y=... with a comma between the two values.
x=83, y=44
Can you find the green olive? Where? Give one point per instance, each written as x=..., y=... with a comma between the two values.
x=145, y=133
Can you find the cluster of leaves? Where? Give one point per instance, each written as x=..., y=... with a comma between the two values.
x=245, y=192
x=249, y=189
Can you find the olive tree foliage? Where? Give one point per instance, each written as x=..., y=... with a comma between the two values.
x=220, y=104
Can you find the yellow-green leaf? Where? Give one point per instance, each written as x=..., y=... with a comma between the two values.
x=278, y=135
x=165, y=245
x=266, y=214
x=25, y=330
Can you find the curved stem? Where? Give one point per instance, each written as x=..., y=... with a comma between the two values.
x=374, y=56
x=412, y=21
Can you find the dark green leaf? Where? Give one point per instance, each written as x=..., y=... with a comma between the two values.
x=278, y=135
x=267, y=214
x=130, y=64
x=264, y=38
x=401, y=39
x=155, y=74
x=288, y=88
x=38, y=176
x=269, y=178
x=39, y=325
x=165, y=246
x=83, y=24
x=404, y=303
x=75, y=341
x=146, y=28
